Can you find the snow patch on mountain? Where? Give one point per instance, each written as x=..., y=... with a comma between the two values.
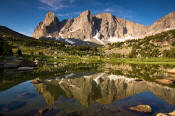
x=49, y=36
x=115, y=39
x=96, y=37
x=74, y=30
x=69, y=41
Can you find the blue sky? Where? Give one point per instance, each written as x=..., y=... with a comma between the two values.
x=24, y=15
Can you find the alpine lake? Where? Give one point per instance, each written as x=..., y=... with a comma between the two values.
x=86, y=90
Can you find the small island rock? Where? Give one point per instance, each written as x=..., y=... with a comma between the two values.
x=141, y=108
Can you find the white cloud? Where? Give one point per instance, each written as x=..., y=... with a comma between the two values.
x=55, y=4
x=121, y=12
x=109, y=10
x=69, y=14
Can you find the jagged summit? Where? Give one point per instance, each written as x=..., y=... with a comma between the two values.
x=102, y=28
x=50, y=18
x=86, y=13
x=163, y=24
x=49, y=25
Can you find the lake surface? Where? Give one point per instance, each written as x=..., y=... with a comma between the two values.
x=86, y=90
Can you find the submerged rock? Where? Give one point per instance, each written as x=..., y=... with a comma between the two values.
x=141, y=108
x=42, y=111
x=26, y=95
x=167, y=114
x=69, y=113
x=12, y=106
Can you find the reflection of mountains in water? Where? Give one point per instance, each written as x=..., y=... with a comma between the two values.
x=101, y=88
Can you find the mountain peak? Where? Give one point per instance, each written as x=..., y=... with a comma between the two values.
x=105, y=15
x=172, y=13
x=50, y=18
x=50, y=14
x=86, y=13
x=49, y=25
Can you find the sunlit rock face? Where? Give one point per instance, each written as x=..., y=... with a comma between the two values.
x=102, y=28
x=101, y=88
x=163, y=24
x=49, y=25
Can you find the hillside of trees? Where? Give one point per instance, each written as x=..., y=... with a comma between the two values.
x=32, y=47
x=159, y=45
x=5, y=48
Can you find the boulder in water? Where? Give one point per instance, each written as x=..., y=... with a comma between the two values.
x=142, y=108
x=166, y=114
x=161, y=114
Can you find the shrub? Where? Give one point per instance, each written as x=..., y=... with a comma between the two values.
x=133, y=53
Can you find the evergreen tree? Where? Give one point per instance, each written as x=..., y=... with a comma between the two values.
x=1, y=47
x=19, y=52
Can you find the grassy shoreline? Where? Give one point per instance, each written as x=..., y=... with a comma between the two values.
x=141, y=60
x=97, y=59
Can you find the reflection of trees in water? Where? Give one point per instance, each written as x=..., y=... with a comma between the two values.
x=145, y=71
x=49, y=71
x=50, y=92
x=12, y=77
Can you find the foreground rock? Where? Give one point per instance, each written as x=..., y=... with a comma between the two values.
x=167, y=114
x=171, y=71
x=26, y=68
x=166, y=81
x=161, y=114
x=11, y=65
x=37, y=81
x=27, y=63
x=12, y=62
x=172, y=113
x=17, y=62
x=142, y=108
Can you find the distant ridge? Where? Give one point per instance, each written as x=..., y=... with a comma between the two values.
x=6, y=31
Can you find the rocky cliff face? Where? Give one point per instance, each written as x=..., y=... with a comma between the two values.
x=103, y=28
x=49, y=25
x=164, y=24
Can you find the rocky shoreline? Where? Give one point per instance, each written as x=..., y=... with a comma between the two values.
x=18, y=63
